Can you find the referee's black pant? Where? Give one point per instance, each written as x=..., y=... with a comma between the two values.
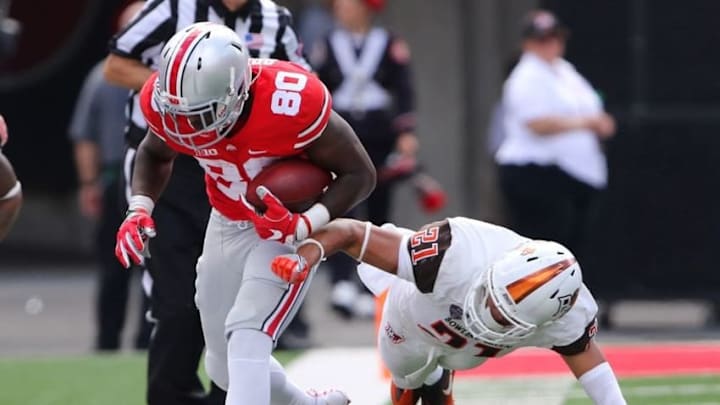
x=113, y=279
x=544, y=202
x=177, y=342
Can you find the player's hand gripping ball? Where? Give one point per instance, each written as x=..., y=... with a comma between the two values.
x=296, y=183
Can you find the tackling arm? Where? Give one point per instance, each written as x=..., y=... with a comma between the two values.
x=595, y=375
x=371, y=244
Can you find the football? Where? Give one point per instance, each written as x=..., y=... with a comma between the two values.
x=298, y=183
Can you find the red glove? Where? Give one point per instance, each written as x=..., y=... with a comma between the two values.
x=278, y=223
x=292, y=268
x=131, y=246
x=431, y=195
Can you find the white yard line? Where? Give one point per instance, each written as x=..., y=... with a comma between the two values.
x=544, y=390
x=356, y=371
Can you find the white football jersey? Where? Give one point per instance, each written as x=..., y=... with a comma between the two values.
x=436, y=268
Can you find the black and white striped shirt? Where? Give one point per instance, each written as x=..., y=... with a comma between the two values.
x=264, y=25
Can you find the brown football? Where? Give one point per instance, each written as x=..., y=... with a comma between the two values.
x=297, y=182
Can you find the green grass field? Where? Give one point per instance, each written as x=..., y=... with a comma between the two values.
x=685, y=390
x=87, y=380
x=670, y=390
x=120, y=380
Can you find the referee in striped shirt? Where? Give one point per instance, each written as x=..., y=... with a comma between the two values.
x=182, y=213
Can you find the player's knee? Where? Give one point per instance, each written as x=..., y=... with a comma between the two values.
x=243, y=315
x=403, y=396
x=216, y=368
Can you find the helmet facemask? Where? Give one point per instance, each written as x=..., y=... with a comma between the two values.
x=202, y=125
x=502, y=329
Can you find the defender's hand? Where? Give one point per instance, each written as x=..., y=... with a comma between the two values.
x=278, y=223
x=292, y=268
x=131, y=245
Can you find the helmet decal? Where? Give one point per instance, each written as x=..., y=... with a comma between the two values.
x=178, y=63
x=565, y=302
x=523, y=287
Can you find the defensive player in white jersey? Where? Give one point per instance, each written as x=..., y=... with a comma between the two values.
x=461, y=291
x=237, y=115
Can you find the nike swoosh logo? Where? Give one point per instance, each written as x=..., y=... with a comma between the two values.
x=276, y=235
x=256, y=152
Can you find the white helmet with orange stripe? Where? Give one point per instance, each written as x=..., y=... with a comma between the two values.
x=202, y=84
x=529, y=286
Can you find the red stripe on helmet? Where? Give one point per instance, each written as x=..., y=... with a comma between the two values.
x=177, y=62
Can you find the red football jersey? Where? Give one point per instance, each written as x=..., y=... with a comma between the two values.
x=290, y=107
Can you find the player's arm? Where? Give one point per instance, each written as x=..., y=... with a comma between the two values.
x=380, y=247
x=330, y=143
x=361, y=240
x=126, y=71
x=153, y=26
x=588, y=364
x=153, y=166
x=339, y=150
x=10, y=196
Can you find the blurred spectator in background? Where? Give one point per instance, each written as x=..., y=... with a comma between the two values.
x=10, y=190
x=182, y=214
x=496, y=126
x=367, y=69
x=315, y=21
x=551, y=164
x=97, y=129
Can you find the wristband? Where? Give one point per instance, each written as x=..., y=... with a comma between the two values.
x=311, y=241
x=366, y=239
x=314, y=218
x=140, y=201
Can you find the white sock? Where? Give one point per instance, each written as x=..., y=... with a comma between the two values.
x=284, y=392
x=602, y=386
x=434, y=377
x=249, y=368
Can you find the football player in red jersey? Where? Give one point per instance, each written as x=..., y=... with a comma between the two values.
x=10, y=190
x=460, y=291
x=236, y=115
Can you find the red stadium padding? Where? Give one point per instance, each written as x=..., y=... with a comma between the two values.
x=626, y=360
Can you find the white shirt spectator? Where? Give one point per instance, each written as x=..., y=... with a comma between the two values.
x=538, y=89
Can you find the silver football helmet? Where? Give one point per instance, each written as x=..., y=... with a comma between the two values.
x=202, y=84
x=529, y=286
